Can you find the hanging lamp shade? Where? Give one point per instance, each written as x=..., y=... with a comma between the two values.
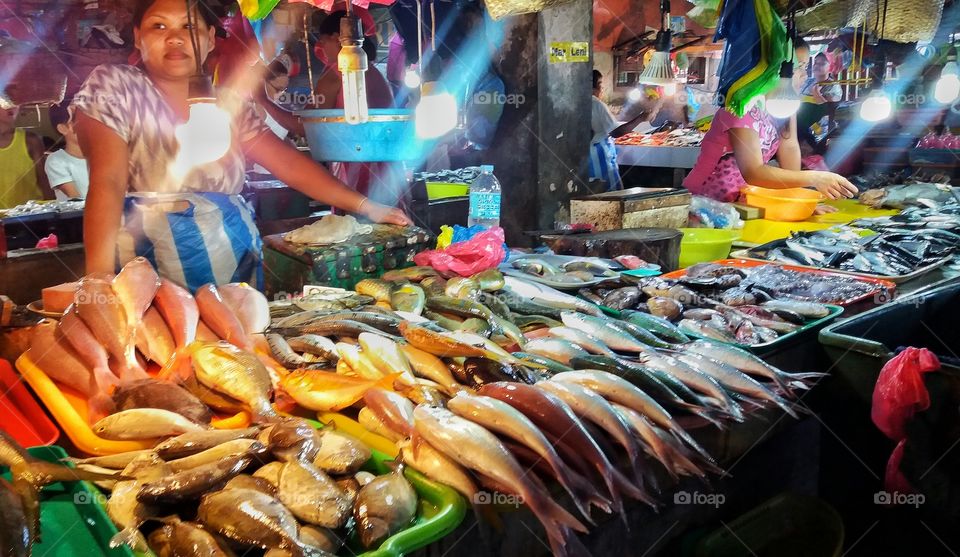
x=659, y=71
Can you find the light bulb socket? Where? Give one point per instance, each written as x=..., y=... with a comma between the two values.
x=351, y=31
x=200, y=89
x=662, y=42
x=786, y=69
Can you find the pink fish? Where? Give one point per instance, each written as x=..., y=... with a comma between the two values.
x=78, y=336
x=220, y=318
x=136, y=285
x=395, y=411
x=154, y=338
x=248, y=304
x=98, y=304
x=179, y=310
x=56, y=358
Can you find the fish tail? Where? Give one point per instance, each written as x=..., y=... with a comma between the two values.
x=30, y=497
x=564, y=543
x=682, y=435
x=702, y=412
x=580, y=490
x=130, y=537
x=553, y=517
x=49, y=472
x=633, y=490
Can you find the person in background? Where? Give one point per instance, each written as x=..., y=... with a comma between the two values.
x=801, y=63
x=818, y=98
x=604, y=127
x=738, y=151
x=67, y=168
x=21, y=155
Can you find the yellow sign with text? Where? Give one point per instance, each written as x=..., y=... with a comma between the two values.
x=562, y=52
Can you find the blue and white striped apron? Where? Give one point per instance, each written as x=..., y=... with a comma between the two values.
x=603, y=163
x=193, y=238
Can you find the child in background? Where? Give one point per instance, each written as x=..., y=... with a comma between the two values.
x=67, y=168
x=21, y=176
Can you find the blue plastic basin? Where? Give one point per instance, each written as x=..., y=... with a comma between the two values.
x=388, y=136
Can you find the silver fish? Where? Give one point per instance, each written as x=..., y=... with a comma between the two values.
x=556, y=349
x=586, y=341
x=609, y=333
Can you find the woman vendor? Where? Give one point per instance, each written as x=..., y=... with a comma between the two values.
x=193, y=226
x=737, y=151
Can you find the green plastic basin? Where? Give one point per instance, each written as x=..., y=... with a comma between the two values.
x=705, y=244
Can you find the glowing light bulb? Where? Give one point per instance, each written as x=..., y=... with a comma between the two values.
x=782, y=102
x=436, y=114
x=352, y=63
x=634, y=95
x=670, y=89
x=876, y=107
x=411, y=78
x=204, y=138
x=948, y=86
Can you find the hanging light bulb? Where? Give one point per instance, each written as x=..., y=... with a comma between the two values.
x=660, y=71
x=948, y=86
x=411, y=78
x=876, y=107
x=352, y=63
x=206, y=136
x=783, y=102
x=436, y=114
x=635, y=94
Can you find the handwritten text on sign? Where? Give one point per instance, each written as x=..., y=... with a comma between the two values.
x=561, y=52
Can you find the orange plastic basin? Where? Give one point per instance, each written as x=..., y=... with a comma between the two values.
x=790, y=205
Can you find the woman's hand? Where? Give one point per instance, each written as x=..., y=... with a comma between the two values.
x=385, y=215
x=832, y=185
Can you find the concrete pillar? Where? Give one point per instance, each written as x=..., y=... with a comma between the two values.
x=542, y=147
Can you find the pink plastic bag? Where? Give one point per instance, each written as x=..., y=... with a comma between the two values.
x=898, y=395
x=483, y=251
x=49, y=242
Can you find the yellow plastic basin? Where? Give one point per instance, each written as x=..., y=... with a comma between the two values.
x=705, y=244
x=789, y=205
x=442, y=190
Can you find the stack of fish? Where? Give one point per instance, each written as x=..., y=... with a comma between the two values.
x=287, y=488
x=573, y=273
x=468, y=412
x=895, y=251
x=117, y=324
x=716, y=302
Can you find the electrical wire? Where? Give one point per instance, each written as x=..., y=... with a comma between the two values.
x=420, y=43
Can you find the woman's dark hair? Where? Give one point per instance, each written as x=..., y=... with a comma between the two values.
x=800, y=42
x=141, y=7
x=597, y=78
x=330, y=25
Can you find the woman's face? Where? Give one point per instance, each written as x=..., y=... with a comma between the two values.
x=163, y=39
x=821, y=69
x=327, y=48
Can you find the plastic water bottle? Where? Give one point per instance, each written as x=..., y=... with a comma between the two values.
x=485, y=199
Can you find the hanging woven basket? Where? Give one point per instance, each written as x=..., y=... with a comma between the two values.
x=33, y=77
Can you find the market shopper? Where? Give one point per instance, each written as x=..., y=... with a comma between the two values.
x=604, y=127
x=738, y=151
x=67, y=168
x=21, y=154
x=818, y=96
x=195, y=228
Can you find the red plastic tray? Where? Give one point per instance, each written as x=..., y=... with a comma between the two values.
x=23, y=418
x=884, y=292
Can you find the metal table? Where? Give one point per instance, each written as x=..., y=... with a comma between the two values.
x=679, y=159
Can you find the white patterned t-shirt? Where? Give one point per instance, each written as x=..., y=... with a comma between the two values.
x=126, y=100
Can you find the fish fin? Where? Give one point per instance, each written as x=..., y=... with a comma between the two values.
x=564, y=543
x=179, y=367
x=632, y=490
x=701, y=412
x=46, y=473
x=100, y=405
x=684, y=437
x=132, y=538
x=387, y=382
x=582, y=492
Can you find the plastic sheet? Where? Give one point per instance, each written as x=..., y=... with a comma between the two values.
x=483, y=250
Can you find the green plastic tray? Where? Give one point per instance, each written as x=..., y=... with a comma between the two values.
x=763, y=348
x=441, y=510
x=73, y=520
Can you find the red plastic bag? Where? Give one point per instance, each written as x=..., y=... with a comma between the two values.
x=483, y=251
x=897, y=396
x=900, y=392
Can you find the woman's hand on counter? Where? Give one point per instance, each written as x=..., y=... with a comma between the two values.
x=823, y=209
x=385, y=215
x=834, y=186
